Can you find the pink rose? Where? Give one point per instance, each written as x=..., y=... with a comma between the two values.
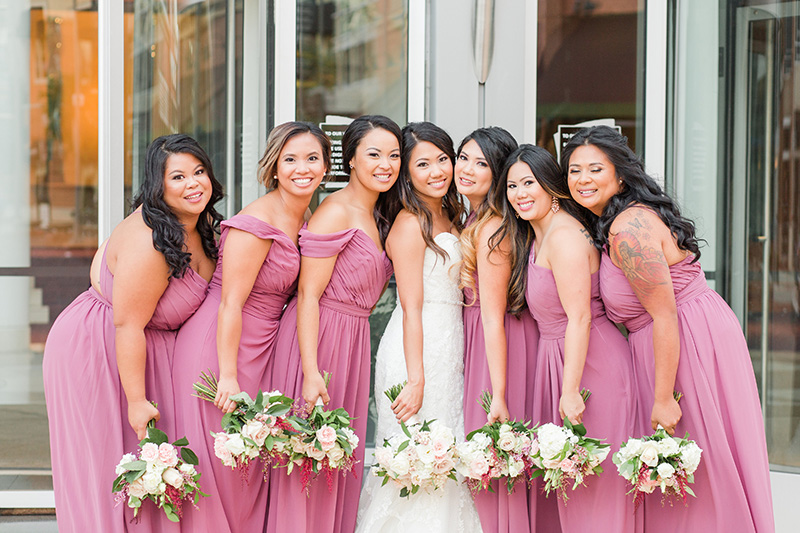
x=479, y=465
x=327, y=437
x=567, y=466
x=444, y=466
x=149, y=452
x=439, y=448
x=221, y=451
x=167, y=454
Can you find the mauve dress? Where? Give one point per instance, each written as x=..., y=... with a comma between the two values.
x=720, y=405
x=499, y=511
x=236, y=503
x=610, y=414
x=87, y=408
x=358, y=279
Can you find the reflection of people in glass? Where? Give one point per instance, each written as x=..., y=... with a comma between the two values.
x=423, y=342
x=233, y=331
x=326, y=328
x=109, y=354
x=683, y=337
x=578, y=346
x=500, y=337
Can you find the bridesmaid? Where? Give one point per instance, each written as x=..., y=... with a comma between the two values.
x=500, y=339
x=326, y=328
x=233, y=331
x=110, y=352
x=578, y=346
x=683, y=337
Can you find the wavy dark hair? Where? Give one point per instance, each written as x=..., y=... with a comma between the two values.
x=413, y=134
x=548, y=174
x=168, y=233
x=638, y=188
x=384, y=210
x=277, y=139
x=496, y=144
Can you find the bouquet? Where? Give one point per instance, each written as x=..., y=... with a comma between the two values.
x=422, y=457
x=659, y=460
x=323, y=442
x=496, y=451
x=255, y=428
x=567, y=455
x=163, y=473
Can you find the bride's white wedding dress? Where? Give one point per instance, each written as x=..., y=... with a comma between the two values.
x=451, y=508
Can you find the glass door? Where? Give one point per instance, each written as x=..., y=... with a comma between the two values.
x=765, y=214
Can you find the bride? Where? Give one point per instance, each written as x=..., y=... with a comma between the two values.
x=424, y=340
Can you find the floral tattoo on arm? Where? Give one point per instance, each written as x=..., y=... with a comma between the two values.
x=645, y=266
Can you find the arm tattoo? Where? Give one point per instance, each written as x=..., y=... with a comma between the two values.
x=588, y=237
x=645, y=267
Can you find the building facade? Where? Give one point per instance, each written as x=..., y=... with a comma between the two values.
x=707, y=92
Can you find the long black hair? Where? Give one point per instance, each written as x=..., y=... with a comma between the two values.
x=413, y=134
x=384, y=210
x=168, y=233
x=496, y=144
x=548, y=174
x=637, y=188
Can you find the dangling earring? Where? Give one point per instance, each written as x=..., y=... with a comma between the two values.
x=555, y=205
x=516, y=214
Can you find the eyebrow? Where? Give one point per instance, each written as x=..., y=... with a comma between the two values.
x=291, y=154
x=479, y=158
x=180, y=171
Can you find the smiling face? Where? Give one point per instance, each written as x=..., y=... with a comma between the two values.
x=592, y=178
x=472, y=173
x=526, y=196
x=376, y=163
x=300, y=167
x=187, y=187
x=430, y=171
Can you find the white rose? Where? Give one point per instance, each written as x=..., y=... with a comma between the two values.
x=335, y=455
x=425, y=453
x=649, y=455
x=186, y=468
x=400, y=465
x=505, y=428
x=383, y=456
x=151, y=481
x=256, y=431
x=515, y=467
x=665, y=470
x=235, y=444
x=481, y=441
x=136, y=489
x=690, y=457
x=172, y=477
x=552, y=440
x=314, y=453
x=667, y=447
x=507, y=441
x=127, y=458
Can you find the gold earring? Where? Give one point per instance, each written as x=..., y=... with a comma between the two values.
x=516, y=214
x=555, y=205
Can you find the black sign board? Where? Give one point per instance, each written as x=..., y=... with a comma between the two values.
x=335, y=132
x=566, y=132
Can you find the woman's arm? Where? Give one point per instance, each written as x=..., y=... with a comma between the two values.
x=569, y=257
x=494, y=273
x=244, y=255
x=636, y=245
x=141, y=276
x=406, y=247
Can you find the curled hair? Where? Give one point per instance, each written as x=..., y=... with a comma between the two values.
x=496, y=144
x=407, y=197
x=385, y=208
x=638, y=188
x=545, y=169
x=169, y=234
x=277, y=139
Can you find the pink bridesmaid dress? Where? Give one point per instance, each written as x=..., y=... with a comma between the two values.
x=236, y=502
x=603, y=505
x=720, y=405
x=87, y=408
x=499, y=511
x=359, y=277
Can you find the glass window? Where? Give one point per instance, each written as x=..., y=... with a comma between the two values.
x=590, y=58
x=48, y=208
x=178, y=79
